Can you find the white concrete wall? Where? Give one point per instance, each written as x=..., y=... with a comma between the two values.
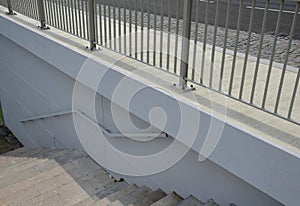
x=37, y=77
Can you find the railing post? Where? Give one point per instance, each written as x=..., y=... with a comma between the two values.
x=42, y=17
x=92, y=31
x=9, y=7
x=185, y=47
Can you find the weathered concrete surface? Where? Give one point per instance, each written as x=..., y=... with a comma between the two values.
x=66, y=180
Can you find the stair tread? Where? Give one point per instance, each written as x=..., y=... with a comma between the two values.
x=39, y=153
x=131, y=197
x=20, y=151
x=115, y=196
x=169, y=200
x=89, y=201
x=210, y=202
x=8, y=159
x=112, y=189
x=40, y=167
x=150, y=198
x=43, y=176
x=46, y=188
x=191, y=201
x=30, y=162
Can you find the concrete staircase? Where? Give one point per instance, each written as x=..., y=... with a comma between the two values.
x=40, y=176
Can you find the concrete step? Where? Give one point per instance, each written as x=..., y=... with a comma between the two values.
x=171, y=199
x=38, y=153
x=6, y=159
x=27, y=173
x=95, y=182
x=89, y=201
x=30, y=162
x=15, y=161
x=20, y=152
x=211, y=202
x=112, y=189
x=191, y=201
x=149, y=199
x=130, y=198
x=44, y=190
x=49, y=176
x=48, y=166
x=116, y=196
x=107, y=191
x=31, y=182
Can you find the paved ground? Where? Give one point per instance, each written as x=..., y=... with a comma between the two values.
x=287, y=17
x=282, y=40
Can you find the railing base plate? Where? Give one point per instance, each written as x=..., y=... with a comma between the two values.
x=11, y=13
x=185, y=89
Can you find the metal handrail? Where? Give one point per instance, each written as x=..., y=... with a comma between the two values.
x=104, y=22
x=139, y=135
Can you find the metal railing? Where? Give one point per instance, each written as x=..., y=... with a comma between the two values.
x=195, y=40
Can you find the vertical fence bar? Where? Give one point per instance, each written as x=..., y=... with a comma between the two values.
x=24, y=8
x=92, y=31
x=51, y=11
x=235, y=47
x=87, y=19
x=33, y=12
x=124, y=26
x=83, y=10
x=64, y=15
x=286, y=58
x=247, y=50
x=204, y=42
x=100, y=34
x=61, y=16
x=115, y=25
x=42, y=16
x=176, y=37
x=169, y=34
x=99, y=7
x=14, y=5
x=185, y=47
x=105, y=23
x=73, y=17
x=79, y=18
x=96, y=22
x=9, y=7
x=259, y=51
x=142, y=30
x=119, y=25
x=161, y=33
x=195, y=40
x=130, y=29
x=294, y=94
x=136, y=29
x=148, y=31
x=154, y=32
x=214, y=45
x=272, y=55
x=69, y=21
x=224, y=45
x=55, y=12
x=46, y=5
